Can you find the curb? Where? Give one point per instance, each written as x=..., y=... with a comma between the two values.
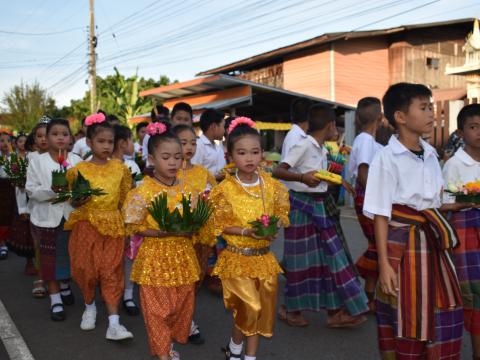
x=16, y=347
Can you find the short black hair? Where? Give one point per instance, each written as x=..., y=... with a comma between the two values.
x=160, y=110
x=58, y=121
x=299, y=110
x=319, y=116
x=95, y=128
x=182, y=106
x=399, y=97
x=112, y=118
x=179, y=128
x=140, y=126
x=467, y=112
x=240, y=131
x=209, y=117
x=29, y=142
x=36, y=128
x=155, y=140
x=121, y=132
x=368, y=110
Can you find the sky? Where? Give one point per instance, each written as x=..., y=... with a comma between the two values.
x=46, y=40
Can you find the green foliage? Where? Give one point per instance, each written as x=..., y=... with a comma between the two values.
x=24, y=104
x=80, y=189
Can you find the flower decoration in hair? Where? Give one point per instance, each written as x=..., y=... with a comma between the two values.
x=241, y=121
x=94, y=119
x=44, y=120
x=156, y=128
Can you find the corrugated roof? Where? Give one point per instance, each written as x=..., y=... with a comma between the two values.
x=321, y=40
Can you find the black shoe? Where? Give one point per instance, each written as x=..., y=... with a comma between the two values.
x=67, y=299
x=131, y=310
x=196, y=339
x=3, y=253
x=57, y=316
x=229, y=355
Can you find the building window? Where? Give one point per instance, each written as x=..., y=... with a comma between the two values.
x=433, y=63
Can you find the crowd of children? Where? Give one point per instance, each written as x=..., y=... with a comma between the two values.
x=421, y=268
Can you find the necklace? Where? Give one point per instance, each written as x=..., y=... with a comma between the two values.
x=262, y=184
x=161, y=181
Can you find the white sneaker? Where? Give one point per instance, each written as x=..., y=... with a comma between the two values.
x=88, y=320
x=118, y=332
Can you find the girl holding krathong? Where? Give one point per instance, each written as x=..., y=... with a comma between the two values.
x=247, y=268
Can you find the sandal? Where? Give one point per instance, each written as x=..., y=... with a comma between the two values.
x=67, y=299
x=291, y=319
x=342, y=319
x=39, y=291
x=57, y=316
x=131, y=310
x=3, y=252
x=229, y=355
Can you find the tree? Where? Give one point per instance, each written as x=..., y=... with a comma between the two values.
x=25, y=105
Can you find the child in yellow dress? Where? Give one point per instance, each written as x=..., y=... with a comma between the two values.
x=166, y=267
x=97, y=240
x=247, y=268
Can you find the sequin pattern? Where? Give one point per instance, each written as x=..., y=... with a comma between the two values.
x=103, y=212
x=235, y=207
x=169, y=261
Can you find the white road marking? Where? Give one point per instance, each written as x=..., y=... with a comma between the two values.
x=16, y=347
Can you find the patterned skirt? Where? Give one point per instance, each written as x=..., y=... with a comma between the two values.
x=367, y=264
x=467, y=264
x=7, y=208
x=21, y=241
x=53, y=260
x=319, y=269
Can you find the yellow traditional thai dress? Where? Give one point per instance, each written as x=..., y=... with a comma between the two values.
x=97, y=240
x=165, y=268
x=247, y=268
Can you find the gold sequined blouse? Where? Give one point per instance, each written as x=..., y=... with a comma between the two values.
x=168, y=261
x=236, y=206
x=200, y=179
x=103, y=212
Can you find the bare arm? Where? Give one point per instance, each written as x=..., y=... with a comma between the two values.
x=283, y=172
x=363, y=175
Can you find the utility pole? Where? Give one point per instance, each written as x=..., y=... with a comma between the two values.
x=92, y=41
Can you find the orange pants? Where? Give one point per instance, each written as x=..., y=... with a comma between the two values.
x=168, y=313
x=95, y=258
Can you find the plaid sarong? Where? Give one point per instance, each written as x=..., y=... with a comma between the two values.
x=319, y=268
x=467, y=263
x=367, y=264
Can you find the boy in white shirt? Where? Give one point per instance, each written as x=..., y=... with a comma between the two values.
x=80, y=147
x=418, y=302
x=319, y=269
x=210, y=154
x=368, y=118
x=462, y=168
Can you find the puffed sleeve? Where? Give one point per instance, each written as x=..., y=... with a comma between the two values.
x=281, y=203
x=126, y=184
x=452, y=176
x=134, y=213
x=222, y=211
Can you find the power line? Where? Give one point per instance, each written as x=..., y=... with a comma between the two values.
x=40, y=34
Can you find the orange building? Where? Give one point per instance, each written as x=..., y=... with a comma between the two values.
x=344, y=67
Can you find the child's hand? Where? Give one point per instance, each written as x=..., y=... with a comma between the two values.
x=24, y=217
x=460, y=206
x=82, y=201
x=310, y=179
x=58, y=189
x=348, y=188
x=388, y=280
x=251, y=233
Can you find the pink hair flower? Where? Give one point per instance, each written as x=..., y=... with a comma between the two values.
x=94, y=119
x=156, y=128
x=242, y=120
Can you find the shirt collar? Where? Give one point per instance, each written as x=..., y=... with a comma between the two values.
x=205, y=140
x=297, y=129
x=313, y=141
x=399, y=148
x=464, y=157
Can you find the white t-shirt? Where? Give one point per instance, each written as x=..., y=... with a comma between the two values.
x=294, y=136
x=39, y=190
x=364, y=149
x=305, y=156
x=81, y=148
x=458, y=170
x=209, y=155
x=398, y=176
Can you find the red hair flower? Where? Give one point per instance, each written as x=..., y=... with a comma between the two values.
x=242, y=120
x=156, y=128
x=94, y=119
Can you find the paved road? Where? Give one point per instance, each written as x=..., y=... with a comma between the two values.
x=61, y=341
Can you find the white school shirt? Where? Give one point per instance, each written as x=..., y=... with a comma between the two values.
x=459, y=169
x=39, y=190
x=303, y=157
x=209, y=155
x=294, y=136
x=81, y=148
x=398, y=176
x=145, y=149
x=364, y=149
x=134, y=169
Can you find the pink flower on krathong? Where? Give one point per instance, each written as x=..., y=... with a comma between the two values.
x=242, y=120
x=156, y=128
x=65, y=164
x=14, y=168
x=265, y=220
x=94, y=119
